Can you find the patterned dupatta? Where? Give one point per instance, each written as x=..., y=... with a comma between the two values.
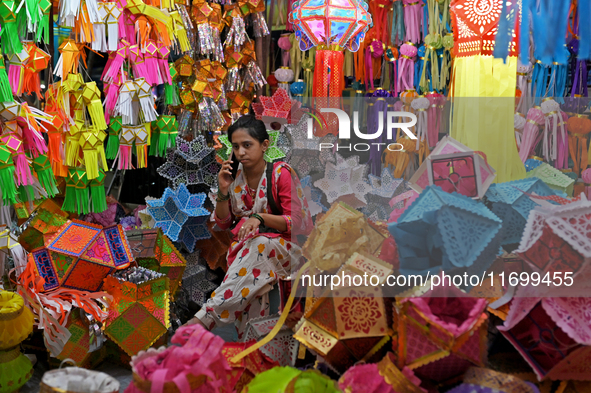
x=241, y=200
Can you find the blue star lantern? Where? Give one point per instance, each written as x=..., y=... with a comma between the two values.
x=175, y=209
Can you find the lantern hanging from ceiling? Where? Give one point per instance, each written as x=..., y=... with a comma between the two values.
x=332, y=26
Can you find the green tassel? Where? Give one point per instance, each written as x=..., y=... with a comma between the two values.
x=97, y=193
x=171, y=95
x=76, y=199
x=5, y=92
x=155, y=140
x=26, y=193
x=7, y=182
x=169, y=129
x=42, y=167
x=115, y=127
x=11, y=43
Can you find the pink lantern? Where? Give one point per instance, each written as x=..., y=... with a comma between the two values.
x=455, y=168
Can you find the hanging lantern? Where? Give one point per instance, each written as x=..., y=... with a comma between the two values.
x=332, y=26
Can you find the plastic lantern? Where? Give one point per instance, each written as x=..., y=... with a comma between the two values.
x=332, y=26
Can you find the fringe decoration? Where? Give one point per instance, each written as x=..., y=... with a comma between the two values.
x=5, y=91
x=112, y=96
x=128, y=104
x=260, y=25
x=144, y=91
x=16, y=71
x=42, y=166
x=7, y=186
x=113, y=142
x=180, y=31
x=112, y=21
x=171, y=94
x=153, y=75
x=162, y=56
x=254, y=75
x=237, y=34
x=92, y=98
x=100, y=34
x=68, y=60
x=116, y=66
x=138, y=63
x=97, y=193
x=76, y=198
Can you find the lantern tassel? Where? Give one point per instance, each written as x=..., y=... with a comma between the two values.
x=7, y=186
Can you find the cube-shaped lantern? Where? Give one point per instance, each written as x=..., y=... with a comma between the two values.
x=553, y=178
x=46, y=220
x=441, y=334
x=81, y=255
x=455, y=168
x=511, y=203
x=552, y=334
x=244, y=371
x=348, y=324
x=449, y=232
x=556, y=240
x=79, y=345
x=154, y=250
x=140, y=312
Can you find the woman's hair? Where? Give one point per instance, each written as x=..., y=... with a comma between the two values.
x=255, y=128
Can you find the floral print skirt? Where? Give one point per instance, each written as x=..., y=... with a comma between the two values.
x=254, y=265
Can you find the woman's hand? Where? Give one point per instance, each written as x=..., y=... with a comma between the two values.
x=225, y=176
x=249, y=226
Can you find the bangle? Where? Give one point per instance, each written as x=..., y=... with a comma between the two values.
x=221, y=197
x=258, y=217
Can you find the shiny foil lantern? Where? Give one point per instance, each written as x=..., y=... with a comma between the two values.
x=154, y=250
x=81, y=255
x=455, y=168
x=442, y=333
x=332, y=26
x=348, y=324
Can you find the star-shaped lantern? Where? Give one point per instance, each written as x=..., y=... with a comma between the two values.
x=278, y=110
x=345, y=177
x=272, y=154
x=191, y=163
x=172, y=211
x=313, y=196
x=307, y=155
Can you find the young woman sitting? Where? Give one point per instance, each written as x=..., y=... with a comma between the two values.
x=263, y=218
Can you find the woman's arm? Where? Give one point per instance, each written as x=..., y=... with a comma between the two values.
x=223, y=216
x=284, y=201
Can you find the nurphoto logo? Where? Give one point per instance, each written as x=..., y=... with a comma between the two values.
x=345, y=130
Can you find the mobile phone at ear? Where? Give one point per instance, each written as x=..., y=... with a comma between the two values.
x=235, y=164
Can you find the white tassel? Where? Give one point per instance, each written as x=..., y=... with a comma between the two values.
x=128, y=105
x=144, y=91
x=69, y=10
x=112, y=20
x=420, y=105
x=93, y=11
x=100, y=37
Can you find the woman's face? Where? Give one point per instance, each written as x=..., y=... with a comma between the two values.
x=247, y=149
